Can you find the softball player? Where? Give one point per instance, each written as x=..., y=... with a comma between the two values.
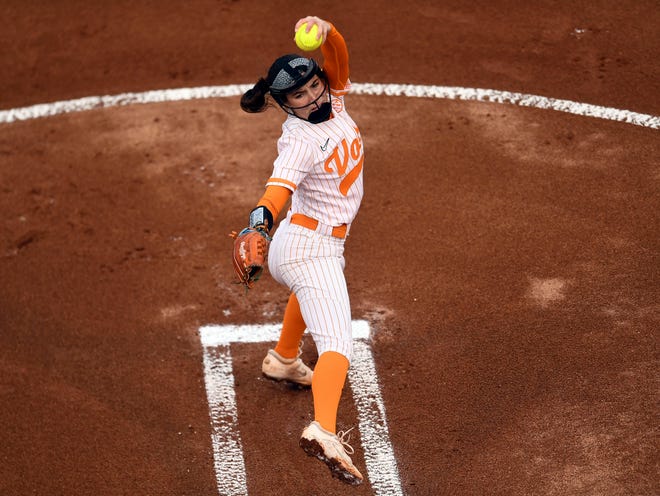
x=319, y=168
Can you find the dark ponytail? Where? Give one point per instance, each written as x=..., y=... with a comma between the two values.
x=254, y=100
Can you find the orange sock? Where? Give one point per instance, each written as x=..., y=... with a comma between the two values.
x=327, y=385
x=293, y=328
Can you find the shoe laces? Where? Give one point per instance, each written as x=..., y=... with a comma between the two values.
x=344, y=437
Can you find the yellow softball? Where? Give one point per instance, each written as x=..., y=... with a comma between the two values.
x=308, y=41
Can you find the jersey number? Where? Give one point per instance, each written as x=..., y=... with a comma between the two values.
x=340, y=160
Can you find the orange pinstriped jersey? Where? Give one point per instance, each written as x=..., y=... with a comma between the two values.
x=322, y=163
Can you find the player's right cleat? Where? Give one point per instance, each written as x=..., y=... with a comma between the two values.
x=279, y=368
x=331, y=449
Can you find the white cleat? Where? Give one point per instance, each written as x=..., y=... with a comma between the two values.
x=279, y=368
x=332, y=450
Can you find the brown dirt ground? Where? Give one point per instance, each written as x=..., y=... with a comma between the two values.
x=514, y=294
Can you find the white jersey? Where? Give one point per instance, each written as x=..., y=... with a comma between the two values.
x=322, y=164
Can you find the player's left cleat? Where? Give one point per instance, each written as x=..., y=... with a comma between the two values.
x=279, y=368
x=333, y=450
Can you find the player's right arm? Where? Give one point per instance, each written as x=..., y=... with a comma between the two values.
x=335, y=59
x=335, y=52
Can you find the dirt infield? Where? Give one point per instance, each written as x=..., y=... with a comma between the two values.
x=507, y=258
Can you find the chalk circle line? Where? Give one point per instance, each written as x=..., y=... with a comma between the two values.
x=374, y=89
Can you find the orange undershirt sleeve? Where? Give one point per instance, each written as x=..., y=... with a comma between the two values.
x=274, y=199
x=335, y=59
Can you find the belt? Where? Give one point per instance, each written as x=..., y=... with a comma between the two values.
x=315, y=225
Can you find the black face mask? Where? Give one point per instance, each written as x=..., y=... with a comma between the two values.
x=321, y=114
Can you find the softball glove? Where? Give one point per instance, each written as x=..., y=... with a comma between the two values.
x=249, y=255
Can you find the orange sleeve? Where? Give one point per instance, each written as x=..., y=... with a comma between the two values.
x=335, y=59
x=274, y=199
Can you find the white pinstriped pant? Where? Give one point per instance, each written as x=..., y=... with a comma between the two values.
x=312, y=266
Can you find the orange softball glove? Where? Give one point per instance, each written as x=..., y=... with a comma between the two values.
x=249, y=255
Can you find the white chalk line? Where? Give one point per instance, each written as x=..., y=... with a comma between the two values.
x=225, y=439
x=229, y=463
x=372, y=422
x=409, y=90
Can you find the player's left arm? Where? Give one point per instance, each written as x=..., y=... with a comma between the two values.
x=269, y=206
x=251, y=244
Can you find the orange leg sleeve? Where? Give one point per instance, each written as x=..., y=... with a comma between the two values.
x=327, y=385
x=293, y=328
